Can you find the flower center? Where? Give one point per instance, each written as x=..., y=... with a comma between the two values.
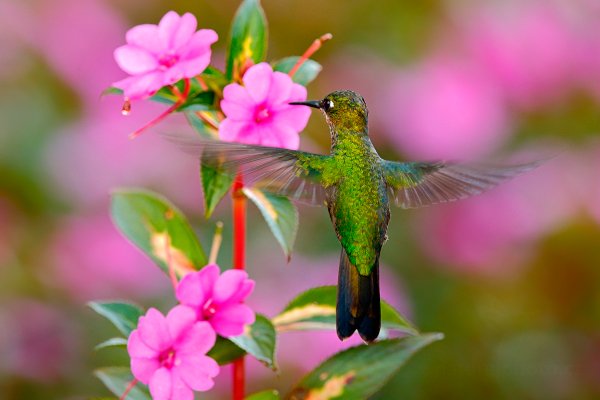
x=209, y=310
x=167, y=358
x=166, y=61
x=261, y=114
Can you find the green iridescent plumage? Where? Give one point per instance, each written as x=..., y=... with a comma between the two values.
x=357, y=186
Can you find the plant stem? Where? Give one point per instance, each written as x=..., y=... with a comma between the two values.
x=216, y=243
x=128, y=389
x=316, y=45
x=239, y=250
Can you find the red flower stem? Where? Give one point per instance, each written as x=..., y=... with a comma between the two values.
x=181, y=98
x=156, y=120
x=201, y=82
x=209, y=121
x=239, y=250
x=316, y=45
x=128, y=389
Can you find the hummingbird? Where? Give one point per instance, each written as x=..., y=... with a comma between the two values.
x=358, y=188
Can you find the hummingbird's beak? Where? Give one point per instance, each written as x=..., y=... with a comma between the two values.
x=311, y=103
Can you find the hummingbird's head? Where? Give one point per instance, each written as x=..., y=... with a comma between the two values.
x=343, y=109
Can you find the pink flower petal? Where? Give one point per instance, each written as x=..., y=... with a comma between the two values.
x=161, y=385
x=146, y=37
x=136, y=87
x=180, y=390
x=229, y=283
x=143, y=368
x=175, y=31
x=153, y=330
x=236, y=111
x=173, y=74
x=230, y=321
x=281, y=88
x=195, y=66
x=298, y=93
x=199, y=339
x=198, y=44
x=179, y=320
x=137, y=348
x=197, y=371
x=280, y=135
x=235, y=93
x=257, y=81
x=295, y=117
x=135, y=60
x=189, y=291
x=234, y=131
x=208, y=276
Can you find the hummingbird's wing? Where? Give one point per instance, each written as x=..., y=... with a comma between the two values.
x=291, y=173
x=417, y=184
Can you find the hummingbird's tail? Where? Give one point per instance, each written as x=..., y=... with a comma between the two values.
x=358, y=305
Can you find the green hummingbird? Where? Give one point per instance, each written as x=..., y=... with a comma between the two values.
x=357, y=187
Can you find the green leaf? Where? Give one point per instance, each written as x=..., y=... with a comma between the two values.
x=225, y=351
x=307, y=72
x=114, y=342
x=215, y=184
x=111, y=90
x=248, y=39
x=265, y=395
x=123, y=315
x=158, y=228
x=281, y=216
x=259, y=341
x=359, y=372
x=315, y=309
x=117, y=379
x=200, y=101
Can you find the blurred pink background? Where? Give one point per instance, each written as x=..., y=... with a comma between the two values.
x=512, y=277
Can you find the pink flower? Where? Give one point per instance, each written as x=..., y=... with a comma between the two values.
x=160, y=55
x=259, y=112
x=531, y=49
x=168, y=354
x=218, y=299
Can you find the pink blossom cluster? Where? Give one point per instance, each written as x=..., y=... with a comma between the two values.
x=160, y=55
x=169, y=353
x=257, y=112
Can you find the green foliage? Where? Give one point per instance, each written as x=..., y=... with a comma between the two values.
x=281, y=216
x=225, y=351
x=259, y=340
x=265, y=395
x=215, y=185
x=158, y=228
x=307, y=72
x=315, y=309
x=124, y=316
x=359, y=372
x=114, y=342
x=205, y=130
x=248, y=39
x=117, y=379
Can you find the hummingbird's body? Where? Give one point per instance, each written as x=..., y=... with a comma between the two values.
x=356, y=185
x=359, y=210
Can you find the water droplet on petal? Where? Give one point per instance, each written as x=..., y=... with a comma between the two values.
x=126, y=109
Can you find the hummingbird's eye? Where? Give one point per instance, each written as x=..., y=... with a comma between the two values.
x=327, y=105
